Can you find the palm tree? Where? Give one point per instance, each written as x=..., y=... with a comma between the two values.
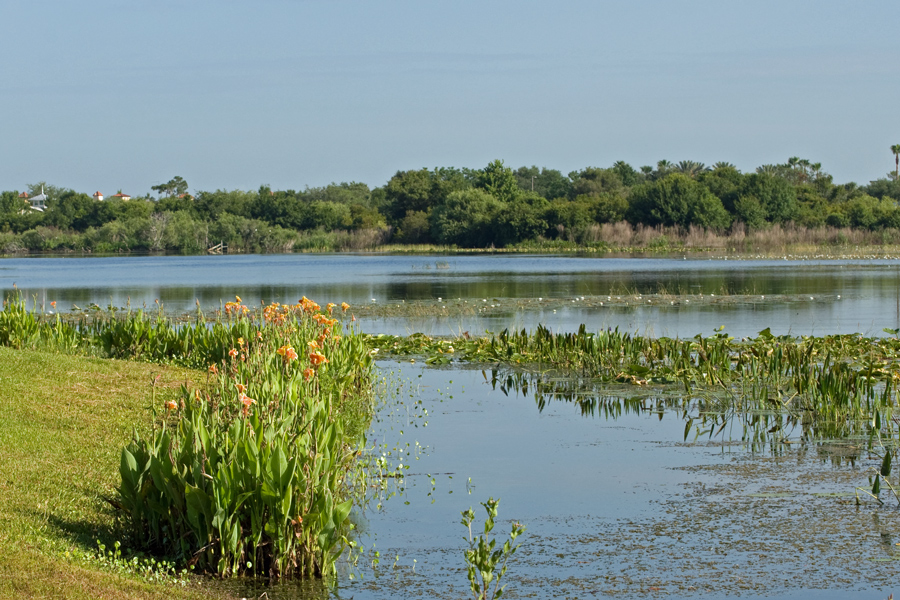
x=691, y=168
x=723, y=165
x=896, y=150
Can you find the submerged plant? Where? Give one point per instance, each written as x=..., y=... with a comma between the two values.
x=484, y=563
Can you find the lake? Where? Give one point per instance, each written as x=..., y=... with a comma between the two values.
x=791, y=297
x=618, y=506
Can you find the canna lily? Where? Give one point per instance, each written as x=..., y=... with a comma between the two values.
x=344, y=306
x=317, y=359
x=288, y=353
x=171, y=405
x=308, y=373
x=313, y=344
x=246, y=401
x=241, y=387
x=214, y=369
x=233, y=353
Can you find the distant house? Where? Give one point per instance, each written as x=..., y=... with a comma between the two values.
x=98, y=196
x=188, y=196
x=121, y=196
x=39, y=202
x=24, y=195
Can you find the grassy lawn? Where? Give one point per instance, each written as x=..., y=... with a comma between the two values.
x=63, y=422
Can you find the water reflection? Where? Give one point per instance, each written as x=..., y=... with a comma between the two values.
x=869, y=290
x=706, y=416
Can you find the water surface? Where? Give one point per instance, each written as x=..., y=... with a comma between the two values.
x=869, y=290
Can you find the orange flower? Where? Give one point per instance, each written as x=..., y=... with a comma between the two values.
x=238, y=298
x=321, y=339
x=53, y=304
x=241, y=342
x=317, y=359
x=287, y=352
x=233, y=353
x=171, y=405
x=241, y=387
x=308, y=374
x=313, y=344
x=214, y=369
x=344, y=306
x=330, y=307
x=246, y=402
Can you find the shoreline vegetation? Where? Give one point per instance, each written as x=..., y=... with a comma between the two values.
x=611, y=239
x=228, y=394
x=794, y=207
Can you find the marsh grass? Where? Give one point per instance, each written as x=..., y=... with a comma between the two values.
x=63, y=421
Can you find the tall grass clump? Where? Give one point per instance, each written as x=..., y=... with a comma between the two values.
x=253, y=475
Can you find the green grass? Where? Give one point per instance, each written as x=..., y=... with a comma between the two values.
x=63, y=422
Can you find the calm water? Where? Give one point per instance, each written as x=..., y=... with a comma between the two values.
x=868, y=290
x=613, y=507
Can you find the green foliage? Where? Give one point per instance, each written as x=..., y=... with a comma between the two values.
x=414, y=228
x=484, y=562
x=676, y=200
x=267, y=220
x=521, y=219
x=252, y=476
x=775, y=195
x=499, y=181
x=595, y=182
x=749, y=211
x=176, y=186
x=547, y=183
x=466, y=218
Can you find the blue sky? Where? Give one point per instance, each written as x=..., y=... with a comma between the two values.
x=125, y=94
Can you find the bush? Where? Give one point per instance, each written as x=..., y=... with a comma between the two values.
x=251, y=476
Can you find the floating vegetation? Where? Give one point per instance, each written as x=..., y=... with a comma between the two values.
x=768, y=390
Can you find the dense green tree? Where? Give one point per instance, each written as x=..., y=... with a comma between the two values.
x=595, y=182
x=521, y=219
x=884, y=187
x=342, y=193
x=211, y=206
x=364, y=217
x=548, y=183
x=10, y=203
x=676, y=199
x=408, y=191
x=627, y=174
x=466, y=218
x=499, y=181
x=568, y=218
x=327, y=216
x=414, y=228
x=725, y=182
x=775, y=195
x=749, y=211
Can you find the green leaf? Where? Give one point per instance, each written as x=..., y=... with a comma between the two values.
x=886, y=464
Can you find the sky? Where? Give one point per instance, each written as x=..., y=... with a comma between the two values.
x=109, y=95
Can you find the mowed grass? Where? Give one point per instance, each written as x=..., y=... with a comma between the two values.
x=63, y=422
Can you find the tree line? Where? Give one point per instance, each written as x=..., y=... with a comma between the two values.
x=496, y=206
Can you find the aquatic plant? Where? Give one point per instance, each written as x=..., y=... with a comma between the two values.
x=484, y=563
x=254, y=474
